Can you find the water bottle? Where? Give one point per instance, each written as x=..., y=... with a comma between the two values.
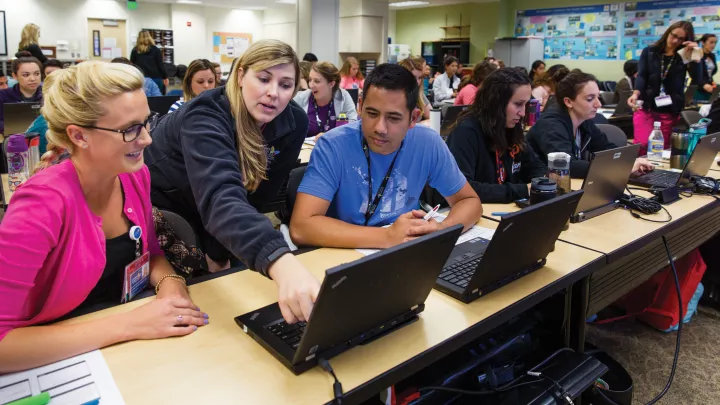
x=342, y=120
x=17, y=158
x=656, y=143
x=542, y=189
x=559, y=171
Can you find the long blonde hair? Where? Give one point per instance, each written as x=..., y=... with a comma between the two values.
x=74, y=96
x=251, y=146
x=345, y=70
x=30, y=35
x=144, y=42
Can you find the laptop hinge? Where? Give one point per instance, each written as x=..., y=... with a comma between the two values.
x=414, y=308
x=310, y=357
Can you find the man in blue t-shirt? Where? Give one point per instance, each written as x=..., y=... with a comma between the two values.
x=371, y=173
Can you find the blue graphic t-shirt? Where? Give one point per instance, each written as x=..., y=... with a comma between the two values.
x=337, y=172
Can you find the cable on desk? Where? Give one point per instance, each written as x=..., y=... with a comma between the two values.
x=337, y=386
x=646, y=206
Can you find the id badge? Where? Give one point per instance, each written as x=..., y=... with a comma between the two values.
x=137, y=277
x=663, y=100
x=516, y=167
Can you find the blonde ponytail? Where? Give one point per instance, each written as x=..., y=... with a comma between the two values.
x=251, y=146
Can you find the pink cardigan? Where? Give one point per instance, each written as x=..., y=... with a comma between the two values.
x=52, y=247
x=466, y=96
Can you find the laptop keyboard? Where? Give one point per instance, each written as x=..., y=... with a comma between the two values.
x=460, y=273
x=290, y=334
x=660, y=178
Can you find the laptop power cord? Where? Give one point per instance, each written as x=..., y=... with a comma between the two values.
x=677, y=339
x=645, y=206
x=337, y=386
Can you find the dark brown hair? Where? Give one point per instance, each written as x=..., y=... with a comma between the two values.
x=479, y=73
x=685, y=25
x=552, y=77
x=571, y=84
x=23, y=58
x=198, y=65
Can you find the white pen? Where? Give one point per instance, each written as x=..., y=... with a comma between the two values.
x=430, y=215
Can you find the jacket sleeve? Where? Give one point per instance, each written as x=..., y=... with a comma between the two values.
x=467, y=148
x=532, y=166
x=160, y=64
x=641, y=81
x=212, y=164
x=133, y=56
x=695, y=71
x=35, y=50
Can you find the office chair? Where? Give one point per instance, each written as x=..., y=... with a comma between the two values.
x=606, y=97
x=182, y=228
x=610, y=85
x=614, y=134
x=293, y=183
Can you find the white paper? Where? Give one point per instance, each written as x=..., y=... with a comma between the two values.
x=106, y=53
x=216, y=57
x=666, y=154
x=109, y=42
x=116, y=52
x=73, y=381
x=241, y=45
x=470, y=234
x=310, y=141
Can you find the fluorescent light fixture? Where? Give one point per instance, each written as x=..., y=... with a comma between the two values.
x=189, y=2
x=409, y=3
x=286, y=1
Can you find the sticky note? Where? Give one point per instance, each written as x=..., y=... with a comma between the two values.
x=628, y=55
x=645, y=25
x=589, y=18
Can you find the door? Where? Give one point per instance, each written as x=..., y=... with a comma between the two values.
x=112, y=42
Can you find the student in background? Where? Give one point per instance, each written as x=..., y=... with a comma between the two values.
x=29, y=38
x=567, y=126
x=488, y=141
x=492, y=61
x=706, y=69
x=200, y=77
x=544, y=86
x=350, y=76
x=500, y=64
x=660, y=83
x=445, y=86
x=225, y=155
x=305, y=68
x=26, y=70
x=416, y=66
x=3, y=80
x=627, y=83
x=325, y=100
x=50, y=66
x=470, y=84
x=148, y=58
x=149, y=86
x=310, y=57
x=335, y=206
x=218, y=73
x=64, y=241
x=537, y=70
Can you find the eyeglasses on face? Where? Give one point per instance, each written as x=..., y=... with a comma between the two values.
x=132, y=132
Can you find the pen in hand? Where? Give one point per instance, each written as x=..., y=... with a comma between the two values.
x=430, y=215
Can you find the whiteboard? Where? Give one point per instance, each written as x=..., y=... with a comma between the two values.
x=3, y=35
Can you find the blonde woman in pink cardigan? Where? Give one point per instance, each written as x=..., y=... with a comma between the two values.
x=73, y=227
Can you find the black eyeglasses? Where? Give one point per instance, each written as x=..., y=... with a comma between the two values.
x=132, y=132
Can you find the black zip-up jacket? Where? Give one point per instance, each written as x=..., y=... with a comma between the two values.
x=648, y=81
x=35, y=51
x=700, y=71
x=150, y=62
x=477, y=162
x=553, y=132
x=195, y=172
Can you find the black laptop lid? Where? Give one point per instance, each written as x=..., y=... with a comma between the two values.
x=607, y=177
x=358, y=296
x=162, y=104
x=701, y=159
x=19, y=116
x=524, y=238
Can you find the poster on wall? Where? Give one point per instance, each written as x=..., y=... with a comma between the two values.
x=588, y=32
x=3, y=35
x=229, y=45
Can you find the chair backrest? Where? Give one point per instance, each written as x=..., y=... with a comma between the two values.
x=690, y=117
x=614, y=134
x=354, y=94
x=181, y=70
x=182, y=228
x=170, y=69
x=606, y=97
x=296, y=176
x=174, y=93
x=610, y=85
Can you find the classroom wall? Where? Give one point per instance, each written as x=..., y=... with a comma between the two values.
x=281, y=23
x=423, y=24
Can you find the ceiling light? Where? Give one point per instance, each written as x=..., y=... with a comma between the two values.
x=409, y=3
x=189, y=2
x=286, y=1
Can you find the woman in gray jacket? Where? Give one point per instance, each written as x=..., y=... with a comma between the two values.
x=325, y=102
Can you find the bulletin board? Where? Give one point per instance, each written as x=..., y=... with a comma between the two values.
x=613, y=31
x=229, y=45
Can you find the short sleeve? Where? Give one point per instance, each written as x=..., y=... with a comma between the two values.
x=322, y=178
x=445, y=175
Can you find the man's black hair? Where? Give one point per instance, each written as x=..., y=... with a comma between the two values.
x=394, y=77
x=310, y=57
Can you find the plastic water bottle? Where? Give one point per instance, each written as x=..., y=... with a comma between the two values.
x=17, y=158
x=656, y=143
x=342, y=120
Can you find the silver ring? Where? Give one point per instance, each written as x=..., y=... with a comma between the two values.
x=179, y=319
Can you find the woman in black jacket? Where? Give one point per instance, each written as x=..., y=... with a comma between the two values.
x=148, y=58
x=29, y=38
x=488, y=141
x=567, y=126
x=225, y=154
x=660, y=84
x=705, y=69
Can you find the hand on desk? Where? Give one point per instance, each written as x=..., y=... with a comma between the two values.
x=641, y=166
x=297, y=288
x=410, y=226
x=164, y=317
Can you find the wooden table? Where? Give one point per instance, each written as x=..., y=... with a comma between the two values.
x=221, y=364
x=305, y=153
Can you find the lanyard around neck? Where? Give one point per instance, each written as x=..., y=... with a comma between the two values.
x=324, y=126
x=376, y=201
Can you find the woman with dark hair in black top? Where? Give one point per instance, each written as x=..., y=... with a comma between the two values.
x=488, y=141
x=705, y=69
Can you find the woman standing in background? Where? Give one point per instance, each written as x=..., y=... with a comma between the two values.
x=148, y=58
x=29, y=38
x=350, y=76
x=705, y=69
x=660, y=84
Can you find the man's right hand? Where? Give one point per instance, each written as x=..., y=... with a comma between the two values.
x=397, y=233
x=632, y=100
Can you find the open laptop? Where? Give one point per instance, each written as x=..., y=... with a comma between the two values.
x=622, y=108
x=690, y=94
x=162, y=104
x=19, y=116
x=358, y=302
x=697, y=165
x=521, y=242
x=605, y=182
x=450, y=117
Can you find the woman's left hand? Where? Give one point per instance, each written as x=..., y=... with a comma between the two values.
x=691, y=44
